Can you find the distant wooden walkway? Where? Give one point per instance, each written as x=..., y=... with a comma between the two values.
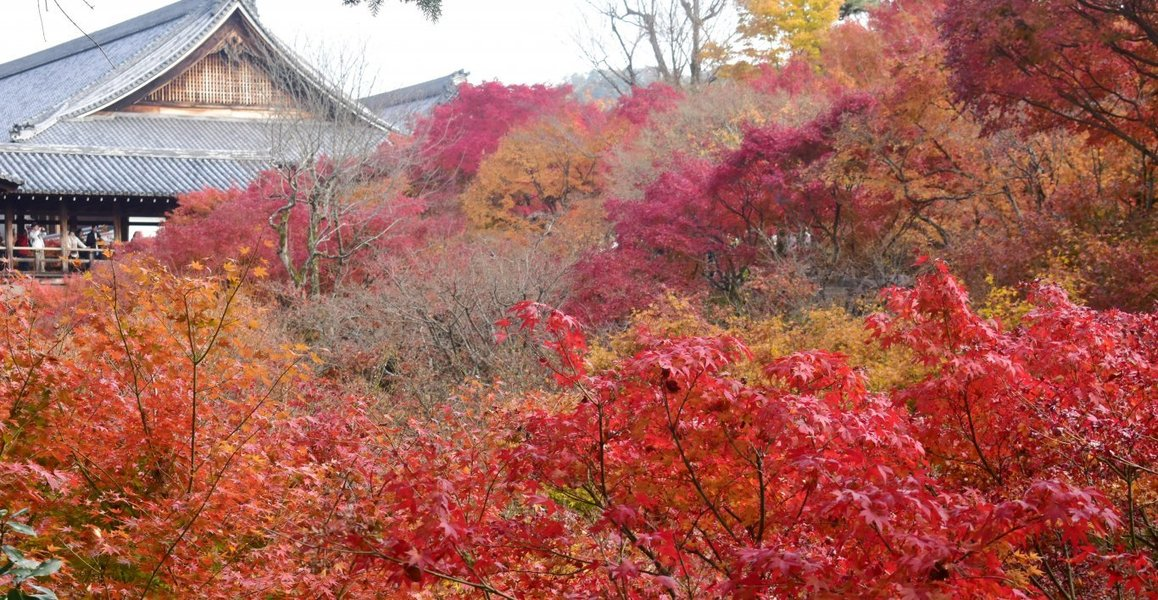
x=54, y=265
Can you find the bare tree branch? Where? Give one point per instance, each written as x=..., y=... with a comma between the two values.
x=673, y=37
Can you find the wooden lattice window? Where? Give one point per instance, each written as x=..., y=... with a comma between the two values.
x=222, y=80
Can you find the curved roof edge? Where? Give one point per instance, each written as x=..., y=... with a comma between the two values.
x=165, y=14
x=204, y=18
x=9, y=182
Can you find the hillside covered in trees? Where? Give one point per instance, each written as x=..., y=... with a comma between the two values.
x=859, y=304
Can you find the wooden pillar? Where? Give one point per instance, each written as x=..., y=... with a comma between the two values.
x=9, y=232
x=119, y=229
x=64, y=245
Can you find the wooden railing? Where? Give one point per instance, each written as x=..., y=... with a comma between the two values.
x=52, y=262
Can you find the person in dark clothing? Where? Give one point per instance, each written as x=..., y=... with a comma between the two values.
x=92, y=240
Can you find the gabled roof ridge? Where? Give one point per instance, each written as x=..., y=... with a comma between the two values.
x=170, y=49
x=165, y=14
x=311, y=72
x=70, y=107
x=424, y=89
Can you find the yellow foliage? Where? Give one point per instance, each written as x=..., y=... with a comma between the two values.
x=538, y=169
x=770, y=30
x=1022, y=567
x=828, y=328
x=1064, y=270
x=1004, y=304
x=669, y=317
x=832, y=329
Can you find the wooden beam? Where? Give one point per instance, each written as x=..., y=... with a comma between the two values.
x=216, y=111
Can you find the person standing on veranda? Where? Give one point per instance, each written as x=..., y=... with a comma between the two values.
x=73, y=246
x=36, y=239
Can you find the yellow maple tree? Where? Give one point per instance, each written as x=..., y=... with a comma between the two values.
x=535, y=174
x=770, y=31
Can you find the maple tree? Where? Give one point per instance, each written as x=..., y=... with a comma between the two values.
x=459, y=134
x=666, y=475
x=312, y=234
x=771, y=30
x=638, y=107
x=208, y=227
x=1015, y=463
x=537, y=171
x=969, y=183
x=323, y=214
x=710, y=121
x=915, y=164
x=132, y=423
x=1067, y=395
x=705, y=223
x=1086, y=64
x=732, y=425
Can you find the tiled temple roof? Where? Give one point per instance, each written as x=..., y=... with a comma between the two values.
x=59, y=79
x=66, y=136
x=84, y=172
x=9, y=181
x=401, y=107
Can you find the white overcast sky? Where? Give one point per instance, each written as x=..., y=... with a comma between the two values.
x=513, y=41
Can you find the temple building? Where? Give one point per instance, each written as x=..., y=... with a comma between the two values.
x=402, y=107
x=103, y=133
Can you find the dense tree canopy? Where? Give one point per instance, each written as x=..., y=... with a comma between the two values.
x=876, y=319
x=213, y=457
x=1084, y=63
x=459, y=135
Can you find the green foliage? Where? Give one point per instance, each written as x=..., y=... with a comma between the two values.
x=431, y=8
x=19, y=569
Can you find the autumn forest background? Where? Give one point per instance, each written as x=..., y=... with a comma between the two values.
x=860, y=304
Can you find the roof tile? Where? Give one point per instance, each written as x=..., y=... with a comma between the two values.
x=62, y=144
x=132, y=175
